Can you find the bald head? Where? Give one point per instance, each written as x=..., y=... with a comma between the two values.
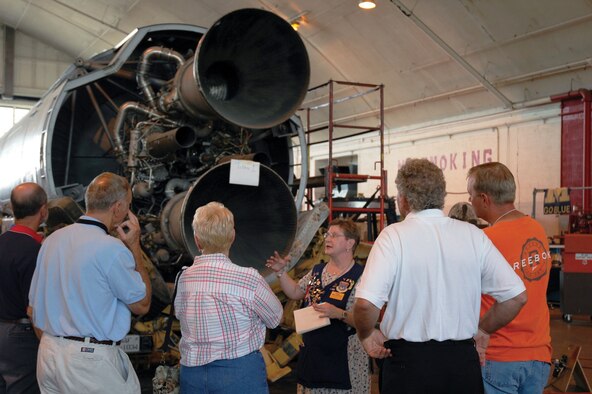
x=27, y=199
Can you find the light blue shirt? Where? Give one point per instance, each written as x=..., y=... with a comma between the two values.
x=83, y=282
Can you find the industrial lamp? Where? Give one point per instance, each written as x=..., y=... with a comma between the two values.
x=367, y=4
x=297, y=20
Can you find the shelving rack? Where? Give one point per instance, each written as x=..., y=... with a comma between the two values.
x=331, y=177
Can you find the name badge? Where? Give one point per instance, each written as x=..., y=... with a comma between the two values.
x=336, y=295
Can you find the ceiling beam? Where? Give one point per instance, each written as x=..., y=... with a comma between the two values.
x=9, y=43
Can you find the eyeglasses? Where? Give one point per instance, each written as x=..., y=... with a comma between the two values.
x=332, y=235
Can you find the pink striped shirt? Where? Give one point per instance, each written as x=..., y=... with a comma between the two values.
x=224, y=310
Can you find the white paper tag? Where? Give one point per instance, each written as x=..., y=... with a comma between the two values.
x=244, y=172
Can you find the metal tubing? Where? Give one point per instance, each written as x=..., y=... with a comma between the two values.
x=148, y=57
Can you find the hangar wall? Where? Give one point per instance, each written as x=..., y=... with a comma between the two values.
x=36, y=65
x=528, y=141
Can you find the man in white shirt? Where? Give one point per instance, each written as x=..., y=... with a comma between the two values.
x=430, y=270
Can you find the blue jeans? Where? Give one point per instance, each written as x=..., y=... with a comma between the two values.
x=517, y=377
x=241, y=375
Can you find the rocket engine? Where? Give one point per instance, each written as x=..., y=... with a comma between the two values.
x=167, y=108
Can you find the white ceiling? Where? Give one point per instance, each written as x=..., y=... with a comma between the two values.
x=436, y=58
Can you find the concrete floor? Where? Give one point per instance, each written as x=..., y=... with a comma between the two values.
x=564, y=336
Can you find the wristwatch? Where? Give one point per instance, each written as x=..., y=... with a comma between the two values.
x=343, y=315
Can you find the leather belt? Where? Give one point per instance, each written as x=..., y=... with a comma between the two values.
x=24, y=320
x=93, y=340
x=398, y=343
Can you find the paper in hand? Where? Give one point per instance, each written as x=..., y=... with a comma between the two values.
x=307, y=319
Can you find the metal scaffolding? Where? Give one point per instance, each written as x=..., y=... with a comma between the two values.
x=373, y=207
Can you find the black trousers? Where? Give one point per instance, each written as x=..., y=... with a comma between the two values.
x=18, y=359
x=448, y=367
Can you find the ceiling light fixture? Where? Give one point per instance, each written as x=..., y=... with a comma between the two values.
x=297, y=20
x=367, y=4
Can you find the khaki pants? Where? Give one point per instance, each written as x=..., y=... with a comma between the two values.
x=65, y=366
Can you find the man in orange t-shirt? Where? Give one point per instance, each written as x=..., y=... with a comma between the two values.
x=518, y=357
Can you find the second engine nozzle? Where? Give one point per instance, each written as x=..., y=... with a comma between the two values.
x=265, y=216
x=251, y=69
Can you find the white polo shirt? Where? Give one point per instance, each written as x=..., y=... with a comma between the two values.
x=431, y=270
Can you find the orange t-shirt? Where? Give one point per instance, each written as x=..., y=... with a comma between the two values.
x=523, y=243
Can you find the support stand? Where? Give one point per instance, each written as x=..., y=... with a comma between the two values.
x=573, y=370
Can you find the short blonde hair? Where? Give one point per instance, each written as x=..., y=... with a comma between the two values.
x=213, y=225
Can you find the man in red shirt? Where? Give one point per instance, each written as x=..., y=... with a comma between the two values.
x=19, y=247
x=519, y=355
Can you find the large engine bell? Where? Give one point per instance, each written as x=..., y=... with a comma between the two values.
x=264, y=216
x=251, y=69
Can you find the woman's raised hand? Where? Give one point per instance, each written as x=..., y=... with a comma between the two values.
x=276, y=262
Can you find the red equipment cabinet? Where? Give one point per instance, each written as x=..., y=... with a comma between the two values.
x=577, y=255
x=576, y=276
